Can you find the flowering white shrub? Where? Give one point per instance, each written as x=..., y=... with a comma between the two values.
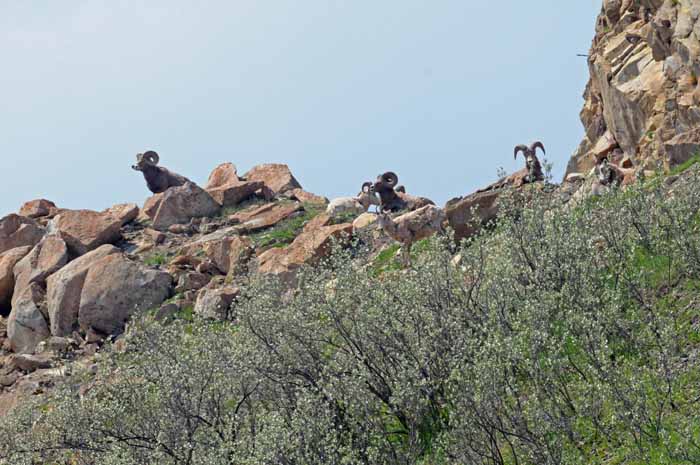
x=565, y=335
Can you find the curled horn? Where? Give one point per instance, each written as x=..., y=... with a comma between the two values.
x=536, y=145
x=152, y=157
x=390, y=179
x=519, y=148
x=367, y=187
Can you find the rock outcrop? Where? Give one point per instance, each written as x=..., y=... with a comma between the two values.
x=227, y=188
x=65, y=287
x=19, y=231
x=179, y=205
x=277, y=178
x=643, y=98
x=8, y=260
x=106, y=304
x=86, y=230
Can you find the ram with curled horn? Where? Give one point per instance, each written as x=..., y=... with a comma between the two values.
x=395, y=199
x=532, y=163
x=158, y=178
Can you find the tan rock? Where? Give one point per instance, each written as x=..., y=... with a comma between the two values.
x=37, y=208
x=278, y=178
x=47, y=257
x=364, y=221
x=230, y=195
x=307, y=248
x=19, y=231
x=318, y=221
x=682, y=147
x=8, y=260
x=306, y=197
x=150, y=207
x=180, y=204
x=191, y=281
x=223, y=175
x=125, y=212
x=29, y=363
x=86, y=230
x=467, y=215
x=64, y=289
x=106, y=304
x=26, y=326
x=216, y=304
x=230, y=254
x=264, y=217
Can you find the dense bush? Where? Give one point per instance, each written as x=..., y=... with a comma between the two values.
x=566, y=335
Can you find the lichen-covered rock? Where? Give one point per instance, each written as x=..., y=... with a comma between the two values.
x=19, y=231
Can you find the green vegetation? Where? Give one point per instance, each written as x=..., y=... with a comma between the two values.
x=156, y=259
x=284, y=232
x=563, y=337
x=692, y=161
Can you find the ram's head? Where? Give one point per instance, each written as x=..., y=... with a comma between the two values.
x=145, y=160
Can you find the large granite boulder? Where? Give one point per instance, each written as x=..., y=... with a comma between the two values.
x=47, y=257
x=27, y=326
x=8, y=260
x=106, y=304
x=178, y=205
x=65, y=287
x=86, y=230
x=277, y=178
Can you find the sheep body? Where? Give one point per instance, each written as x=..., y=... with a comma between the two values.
x=395, y=199
x=158, y=179
x=412, y=227
x=354, y=205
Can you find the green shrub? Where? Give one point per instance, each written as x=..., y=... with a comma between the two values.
x=563, y=337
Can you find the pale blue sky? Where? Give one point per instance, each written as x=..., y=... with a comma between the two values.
x=437, y=90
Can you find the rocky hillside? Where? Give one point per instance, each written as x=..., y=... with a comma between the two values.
x=643, y=99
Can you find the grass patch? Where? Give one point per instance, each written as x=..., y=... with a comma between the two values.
x=692, y=161
x=284, y=232
x=156, y=259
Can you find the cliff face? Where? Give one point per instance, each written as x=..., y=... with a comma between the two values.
x=643, y=99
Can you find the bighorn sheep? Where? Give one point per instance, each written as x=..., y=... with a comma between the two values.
x=395, y=199
x=412, y=226
x=534, y=168
x=158, y=178
x=355, y=205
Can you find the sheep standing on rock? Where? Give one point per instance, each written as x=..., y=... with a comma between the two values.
x=354, y=205
x=395, y=199
x=534, y=168
x=158, y=178
x=413, y=226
